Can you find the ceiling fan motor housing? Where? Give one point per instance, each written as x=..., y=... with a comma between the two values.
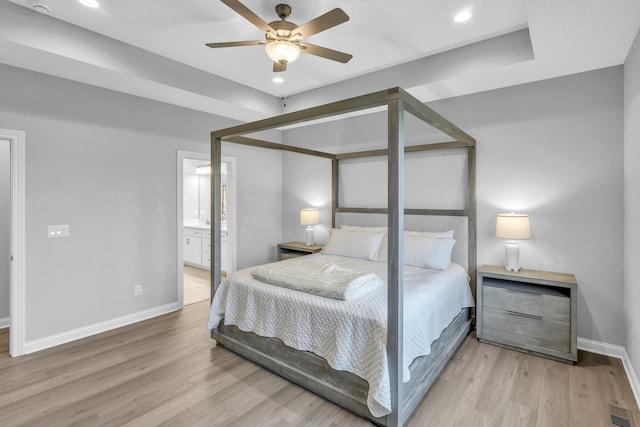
x=283, y=30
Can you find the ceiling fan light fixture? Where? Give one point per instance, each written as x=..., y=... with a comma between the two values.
x=282, y=51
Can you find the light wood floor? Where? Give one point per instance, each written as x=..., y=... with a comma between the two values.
x=196, y=285
x=167, y=372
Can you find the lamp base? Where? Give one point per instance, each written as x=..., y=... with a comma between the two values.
x=308, y=235
x=512, y=256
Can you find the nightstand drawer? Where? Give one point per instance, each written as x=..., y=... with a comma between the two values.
x=527, y=329
x=539, y=301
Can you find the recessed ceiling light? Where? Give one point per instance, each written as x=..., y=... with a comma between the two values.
x=90, y=3
x=463, y=16
x=277, y=80
x=42, y=8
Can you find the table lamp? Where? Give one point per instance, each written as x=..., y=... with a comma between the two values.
x=512, y=226
x=309, y=217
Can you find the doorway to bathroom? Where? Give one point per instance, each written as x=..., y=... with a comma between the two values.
x=195, y=225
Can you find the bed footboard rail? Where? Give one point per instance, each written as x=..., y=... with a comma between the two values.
x=340, y=387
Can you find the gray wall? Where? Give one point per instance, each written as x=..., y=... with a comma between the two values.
x=632, y=200
x=105, y=163
x=5, y=228
x=552, y=149
x=306, y=183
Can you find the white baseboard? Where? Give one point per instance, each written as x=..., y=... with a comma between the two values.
x=601, y=348
x=4, y=322
x=86, y=331
x=633, y=378
x=618, y=352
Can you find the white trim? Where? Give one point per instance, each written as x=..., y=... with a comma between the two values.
x=232, y=236
x=4, y=322
x=600, y=348
x=17, y=306
x=631, y=375
x=97, y=328
x=618, y=352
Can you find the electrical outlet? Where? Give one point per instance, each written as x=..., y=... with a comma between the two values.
x=137, y=290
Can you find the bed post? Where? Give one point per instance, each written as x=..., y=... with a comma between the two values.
x=216, y=209
x=334, y=191
x=395, y=220
x=471, y=216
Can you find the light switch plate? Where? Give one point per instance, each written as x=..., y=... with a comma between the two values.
x=57, y=231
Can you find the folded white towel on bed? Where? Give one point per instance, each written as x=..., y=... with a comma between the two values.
x=326, y=280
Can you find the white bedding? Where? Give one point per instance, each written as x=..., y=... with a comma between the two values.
x=350, y=335
x=327, y=280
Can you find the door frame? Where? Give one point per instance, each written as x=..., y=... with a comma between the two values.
x=231, y=219
x=17, y=287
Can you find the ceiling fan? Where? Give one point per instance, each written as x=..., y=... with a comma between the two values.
x=283, y=39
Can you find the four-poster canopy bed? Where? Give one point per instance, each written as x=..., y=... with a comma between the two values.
x=306, y=368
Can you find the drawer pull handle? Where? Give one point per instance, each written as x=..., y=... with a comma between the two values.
x=530, y=316
x=520, y=291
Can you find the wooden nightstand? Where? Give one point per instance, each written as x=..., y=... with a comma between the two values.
x=296, y=249
x=530, y=310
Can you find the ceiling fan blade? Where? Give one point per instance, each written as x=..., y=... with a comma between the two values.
x=234, y=44
x=324, y=52
x=279, y=67
x=323, y=22
x=247, y=14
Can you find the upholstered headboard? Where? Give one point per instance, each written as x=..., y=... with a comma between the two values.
x=459, y=224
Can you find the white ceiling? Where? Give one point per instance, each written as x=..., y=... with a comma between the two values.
x=411, y=43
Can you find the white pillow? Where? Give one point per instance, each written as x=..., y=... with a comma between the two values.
x=448, y=233
x=442, y=234
x=382, y=253
x=428, y=251
x=358, y=228
x=354, y=244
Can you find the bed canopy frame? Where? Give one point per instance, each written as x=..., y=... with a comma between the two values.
x=397, y=102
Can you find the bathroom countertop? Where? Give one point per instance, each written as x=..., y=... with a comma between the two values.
x=200, y=226
x=204, y=226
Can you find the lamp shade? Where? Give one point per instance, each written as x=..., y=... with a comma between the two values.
x=309, y=216
x=513, y=226
x=282, y=51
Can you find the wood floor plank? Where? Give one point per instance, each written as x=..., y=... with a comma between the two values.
x=587, y=405
x=554, y=402
x=264, y=409
x=494, y=399
x=4, y=340
x=116, y=407
x=465, y=378
x=184, y=418
x=168, y=372
x=522, y=409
